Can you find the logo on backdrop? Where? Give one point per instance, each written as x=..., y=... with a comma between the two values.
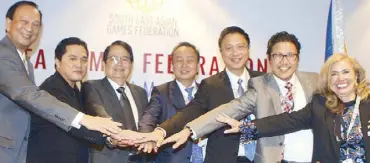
x=146, y=5
x=145, y=24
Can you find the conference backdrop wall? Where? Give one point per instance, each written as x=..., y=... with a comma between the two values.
x=154, y=27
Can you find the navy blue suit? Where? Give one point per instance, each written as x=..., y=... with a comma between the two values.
x=165, y=101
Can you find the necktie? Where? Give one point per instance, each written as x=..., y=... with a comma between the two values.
x=288, y=101
x=127, y=110
x=249, y=147
x=24, y=60
x=240, y=87
x=196, y=152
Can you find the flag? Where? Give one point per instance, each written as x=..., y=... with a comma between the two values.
x=335, y=42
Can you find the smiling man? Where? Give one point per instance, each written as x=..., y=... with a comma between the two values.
x=47, y=142
x=122, y=101
x=171, y=97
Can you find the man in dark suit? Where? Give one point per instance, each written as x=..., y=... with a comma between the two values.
x=170, y=97
x=122, y=101
x=19, y=95
x=47, y=142
x=214, y=91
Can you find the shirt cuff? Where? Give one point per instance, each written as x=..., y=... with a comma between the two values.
x=163, y=131
x=193, y=134
x=76, y=121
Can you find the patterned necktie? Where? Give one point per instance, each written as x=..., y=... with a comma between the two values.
x=196, y=152
x=249, y=147
x=127, y=110
x=288, y=101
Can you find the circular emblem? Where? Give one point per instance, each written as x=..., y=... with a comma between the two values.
x=146, y=5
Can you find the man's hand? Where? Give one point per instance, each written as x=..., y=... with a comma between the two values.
x=179, y=138
x=128, y=135
x=148, y=147
x=156, y=136
x=103, y=125
x=234, y=124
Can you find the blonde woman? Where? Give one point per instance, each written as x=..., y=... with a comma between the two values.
x=339, y=115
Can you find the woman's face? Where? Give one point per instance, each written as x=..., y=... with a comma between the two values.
x=343, y=80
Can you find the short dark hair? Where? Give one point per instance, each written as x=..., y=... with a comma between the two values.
x=125, y=45
x=187, y=44
x=283, y=36
x=61, y=48
x=14, y=7
x=230, y=30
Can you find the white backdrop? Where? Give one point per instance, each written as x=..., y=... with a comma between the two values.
x=154, y=27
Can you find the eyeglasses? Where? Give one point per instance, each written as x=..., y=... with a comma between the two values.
x=117, y=59
x=289, y=56
x=229, y=49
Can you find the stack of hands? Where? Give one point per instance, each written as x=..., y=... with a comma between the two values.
x=146, y=142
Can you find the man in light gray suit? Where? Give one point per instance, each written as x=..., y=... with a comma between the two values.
x=283, y=90
x=19, y=95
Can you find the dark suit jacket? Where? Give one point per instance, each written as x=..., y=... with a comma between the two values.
x=18, y=96
x=318, y=118
x=100, y=99
x=49, y=143
x=165, y=101
x=212, y=92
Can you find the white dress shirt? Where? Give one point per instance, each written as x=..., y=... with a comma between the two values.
x=298, y=146
x=129, y=96
x=234, y=85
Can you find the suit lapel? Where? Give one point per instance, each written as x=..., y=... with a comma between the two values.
x=273, y=90
x=116, y=111
x=365, y=125
x=330, y=119
x=137, y=99
x=308, y=88
x=226, y=85
x=175, y=96
x=7, y=42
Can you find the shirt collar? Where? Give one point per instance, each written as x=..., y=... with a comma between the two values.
x=182, y=87
x=234, y=78
x=283, y=83
x=22, y=55
x=115, y=85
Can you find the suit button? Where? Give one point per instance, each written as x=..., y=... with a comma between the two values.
x=188, y=157
x=281, y=144
x=25, y=138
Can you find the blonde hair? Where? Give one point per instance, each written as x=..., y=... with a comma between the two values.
x=333, y=103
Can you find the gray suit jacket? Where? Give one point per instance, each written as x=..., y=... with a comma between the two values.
x=19, y=95
x=100, y=99
x=263, y=100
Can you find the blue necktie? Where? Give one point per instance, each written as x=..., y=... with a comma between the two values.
x=196, y=152
x=250, y=147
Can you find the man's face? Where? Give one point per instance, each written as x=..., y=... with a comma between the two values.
x=73, y=65
x=235, y=51
x=24, y=29
x=118, y=64
x=284, y=60
x=185, y=63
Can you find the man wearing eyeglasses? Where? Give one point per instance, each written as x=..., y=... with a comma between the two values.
x=122, y=101
x=283, y=90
